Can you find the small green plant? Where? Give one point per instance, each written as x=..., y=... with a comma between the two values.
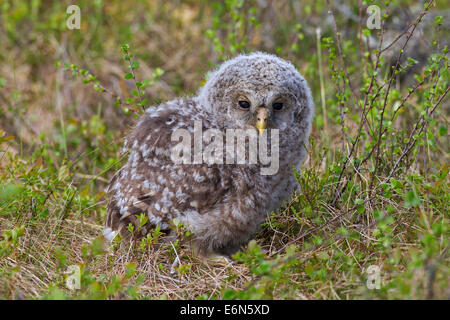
x=10, y=240
x=137, y=103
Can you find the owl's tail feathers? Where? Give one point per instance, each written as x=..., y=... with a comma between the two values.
x=109, y=234
x=113, y=223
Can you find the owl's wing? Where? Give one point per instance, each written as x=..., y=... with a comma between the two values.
x=151, y=183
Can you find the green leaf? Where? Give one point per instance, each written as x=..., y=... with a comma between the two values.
x=129, y=76
x=378, y=215
x=135, y=64
x=264, y=267
x=158, y=72
x=125, y=47
x=439, y=20
x=396, y=184
x=412, y=61
x=229, y=294
x=411, y=199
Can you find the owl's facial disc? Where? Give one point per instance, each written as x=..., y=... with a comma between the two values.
x=252, y=114
x=260, y=106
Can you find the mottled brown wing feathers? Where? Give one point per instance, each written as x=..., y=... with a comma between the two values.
x=151, y=183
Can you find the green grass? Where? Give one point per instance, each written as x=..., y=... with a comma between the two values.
x=375, y=188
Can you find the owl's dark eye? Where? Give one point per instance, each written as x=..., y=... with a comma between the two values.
x=244, y=104
x=277, y=106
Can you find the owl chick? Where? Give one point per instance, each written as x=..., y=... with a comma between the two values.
x=223, y=202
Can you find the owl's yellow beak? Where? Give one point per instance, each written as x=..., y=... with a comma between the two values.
x=261, y=120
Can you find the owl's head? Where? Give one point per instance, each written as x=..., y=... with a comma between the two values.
x=259, y=90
